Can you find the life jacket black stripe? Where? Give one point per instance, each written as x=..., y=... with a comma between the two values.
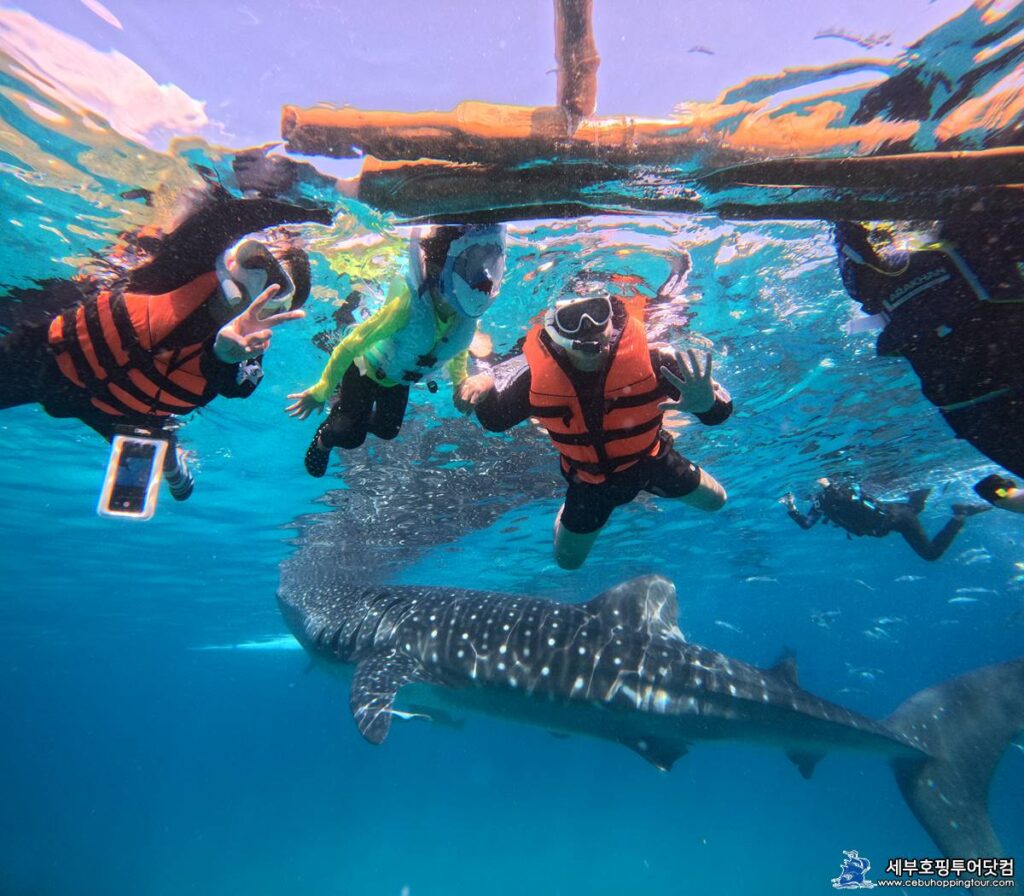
x=611, y=466
x=583, y=438
x=608, y=436
x=104, y=353
x=69, y=321
x=558, y=410
x=142, y=360
x=629, y=432
x=633, y=401
x=115, y=373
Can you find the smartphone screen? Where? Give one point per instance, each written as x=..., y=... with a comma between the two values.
x=131, y=482
x=132, y=477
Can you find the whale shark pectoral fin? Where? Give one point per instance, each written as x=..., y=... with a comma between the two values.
x=805, y=762
x=661, y=754
x=375, y=683
x=646, y=604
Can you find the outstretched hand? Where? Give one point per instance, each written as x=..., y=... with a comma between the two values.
x=248, y=335
x=696, y=388
x=258, y=171
x=303, y=405
x=472, y=391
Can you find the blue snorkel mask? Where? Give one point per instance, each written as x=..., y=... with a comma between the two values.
x=471, y=275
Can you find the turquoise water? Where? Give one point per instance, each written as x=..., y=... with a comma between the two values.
x=161, y=736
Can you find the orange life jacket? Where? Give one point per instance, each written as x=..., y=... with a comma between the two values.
x=611, y=432
x=111, y=346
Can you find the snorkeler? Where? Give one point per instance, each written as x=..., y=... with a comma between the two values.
x=189, y=324
x=952, y=303
x=590, y=376
x=844, y=504
x=430, y=319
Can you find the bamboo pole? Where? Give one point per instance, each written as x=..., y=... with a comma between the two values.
x=578, y=59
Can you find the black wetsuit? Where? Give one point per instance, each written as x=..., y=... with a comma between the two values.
x=848, y=508
x=29, y=371
x=955, y=311
x=587, y=505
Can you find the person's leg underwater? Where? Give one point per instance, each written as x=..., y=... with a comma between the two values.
x=673, y=476
x=905, y=521
x=347, y=422
x=571, y=548
x=586, y=509
x=389, y=412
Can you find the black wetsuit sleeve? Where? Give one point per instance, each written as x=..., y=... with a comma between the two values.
x=805, y=522
x=230, y=380
x=509, y=402
x=719, y=412
x=192, y=248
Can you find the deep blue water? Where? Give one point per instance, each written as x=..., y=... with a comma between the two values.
x=159, y=737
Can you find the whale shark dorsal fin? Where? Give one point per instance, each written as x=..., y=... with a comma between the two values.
x=375, y=683
x=646, y=604
x=785, y=668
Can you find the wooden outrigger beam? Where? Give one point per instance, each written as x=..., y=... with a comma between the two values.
x=923, y=186
x=482, y=161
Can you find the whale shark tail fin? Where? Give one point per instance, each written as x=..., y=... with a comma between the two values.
x=964, y=725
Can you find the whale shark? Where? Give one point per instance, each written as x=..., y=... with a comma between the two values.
x=619, y=668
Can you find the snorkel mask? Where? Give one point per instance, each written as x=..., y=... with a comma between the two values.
x=580, y=323
x=247, y=269
x=470, y=277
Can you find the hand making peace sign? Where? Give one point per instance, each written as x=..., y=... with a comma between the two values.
x=248, y=335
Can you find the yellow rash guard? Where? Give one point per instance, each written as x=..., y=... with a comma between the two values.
x=390, y=323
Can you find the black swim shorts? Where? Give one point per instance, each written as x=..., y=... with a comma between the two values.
x=588, y=506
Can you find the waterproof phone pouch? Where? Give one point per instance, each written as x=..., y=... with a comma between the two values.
x=132, y=482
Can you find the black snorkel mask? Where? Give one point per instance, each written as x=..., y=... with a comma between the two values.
x=580, y=324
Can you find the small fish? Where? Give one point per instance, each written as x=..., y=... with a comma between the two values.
x=729, y=626
x=976, y=591
x=864, y=584
x=962, y=600
x=974, y=555
x=752, y=579
x=888, y=620
x=910, y=579
x=824, y=618
x=878, y=634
